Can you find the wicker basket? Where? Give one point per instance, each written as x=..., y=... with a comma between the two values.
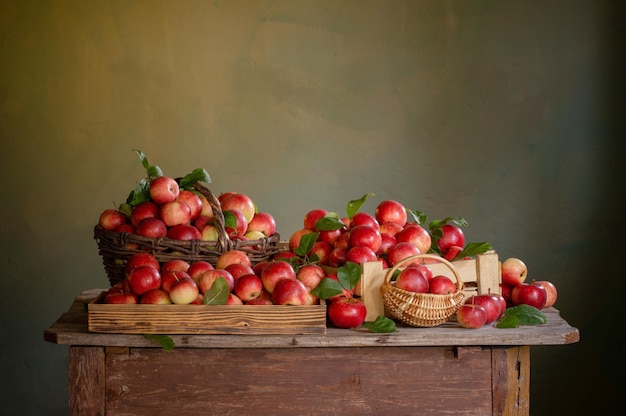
x=116, y=248
x=421, y=309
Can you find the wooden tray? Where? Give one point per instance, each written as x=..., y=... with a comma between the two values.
x=206, y=319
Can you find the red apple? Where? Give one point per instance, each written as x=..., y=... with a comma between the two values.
x=346, y=293
x=390, y=228
x=248, y=287
x=259, y=301
x=239, y=202
x=207, y=209
x=155, y=297
x=364, y=218
x=529, y=294
x=452, y=235
x=143, y=278
x=125, y=228
x=513, y=271
x=151, y=228
x=413, y=280
x=233, y=300
x=365, y=235
x=241, y=223
x=502, y=301
x=169, y=278
x=198, y=267
x=141, y=259
x=174, y=213
x=193, y=201
x=321, y=251
x=360, y=254
x=311, y=275
x=146, y=209
x=347, y=312
x=471, y=316
x=184, y=232
x=289, y=292
x=452, y=252
x=311, y=218
x=337, y=257
x=175, y=264
x=221, y=197
x=551, y=292
x=294, y=240
x=258, y=268
x=120, y=297
x=184, y=291
x=387, y=241
x=330, y=236
x=275, y=272
x=231, y=257
x=417, y=235
x=505, y=291
x=263, y=222
x=441, y=285
x=426, y=271
x=239, y=269
x=164, y=189
x=110, y=219
x=207, y=278
x=391, y=211
x=342, y=240
x=491, y=303
x=401, y=251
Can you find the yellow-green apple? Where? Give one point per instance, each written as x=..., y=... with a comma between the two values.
x=145, y=209
x=248, y=286
x=311, y=218
x=401, y=251
x=141, y=259
x=275, y=272
x=472, y=316
x=239, y=269
x=240, y=202
x=294, y=239
x=198, y=267
x=184, y=232
x=263, y=222
x=110, y=219
x=290, y=292
x=175, y=264
x=143, y=278
x=365, y=235
x=253, y=235
x=417, y=235
x=390, y=228
x=513, y=271
x=347, y=312
x=364, y=218
x=321, y=251
x=551, y=292
x=360, y=254
x=310, y=275
x=184, y=291
x=208, y=277
x=164, y=189
x=174, y=213
x=169, y=278
x=193, y=201
x=231, y=257
x=441, y=285
x=337, y=257
x=233, y=300
x=151, y=228
x=155, y=297
x=209, y=233
x=452, y=235
x=491, y=303
x=529, y=294
x=412, y=280
x=390, y=211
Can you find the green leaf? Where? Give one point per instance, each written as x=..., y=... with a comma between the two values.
x=140, y=194
x=142, y=158
x=126, y=209
x=349, y=275
x=218, y=294
x=355, y=205
x=472, y=249
x=381, y=324
x=163, y=340
x=329, y=223
x=230, y=220
x=306, y=244
x=197, y=175
x=327, y=288
x=522, y=315
x=418, y=216
x=151, y=171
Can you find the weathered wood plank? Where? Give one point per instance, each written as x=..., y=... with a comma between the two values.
x=86, y=381
x=511, y=381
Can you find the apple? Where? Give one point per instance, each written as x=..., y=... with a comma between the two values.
x=239, y=269
x=365, y=235
x=110, y=219
x=502, y=301
x=208, y=277
x=248, y=287
x=346, y=293
x=401, y=251
x=174, y=213
x=146, y=209
x=441, y=285
x=239, y=202
x=426, y=271
x=263, y=222
x=452, y=252
x=347, y=312
x=143, y=278
x=258, y=268
x=452, y=235
x=207, y=209
x=413, y=280
x=184, y=232
x=155, y=297
x=184, y=291
x=364, y=218
x=390, y=228
x=505, y=291
x=163, y=189
x=125, y=228
x=224, y=195
x=193, y=201
x=513, y=271
x=387, y=241
x=330, y=236
x=198, y=267
x=311, y=218
x=275, y=272
x=391, y=211
x=470, y=315
x=342, y=240
x=310, y=275
x=290, y=292
x=141, y=259
x=417, y=235
x=233, y=300
x=551, y=292
x=209, y=233
x=491, y=303
x=175, y=264
x=321, y=250
x=360, y=254
x=337, y=257
x=529, y=294
x=169, y=278
x=294, y=240
x=241, y=223
x=151, y=228
x=259, y=301
x=231, y=257
x=120, y=297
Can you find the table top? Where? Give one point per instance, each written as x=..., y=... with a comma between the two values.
x=72, y=329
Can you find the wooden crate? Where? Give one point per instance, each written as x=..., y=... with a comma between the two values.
x=206, y=319
x=479, y=275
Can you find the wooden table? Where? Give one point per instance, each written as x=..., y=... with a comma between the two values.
x=425, y=371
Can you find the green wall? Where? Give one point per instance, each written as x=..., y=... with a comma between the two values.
x=508, y=114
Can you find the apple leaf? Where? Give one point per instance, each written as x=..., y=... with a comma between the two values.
x=163, y=340
x=355, y=205
x=327, y=288
x=218, y=294
x=472, y=249
x=140, y=194
x=521, y=315
x=230, y=221
x=329, y=223
x=418, y=216
x=381, y=324
x=197, y=175
x=306, y=244
x=152, y=171
x=349, y=275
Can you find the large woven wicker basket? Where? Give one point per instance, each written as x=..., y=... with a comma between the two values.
x=421, y=309
x=116, y=248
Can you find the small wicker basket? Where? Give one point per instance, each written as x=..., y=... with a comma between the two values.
x=421, y=309
x=116, y=248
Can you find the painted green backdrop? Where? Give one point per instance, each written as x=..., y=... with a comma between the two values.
x=508, y=114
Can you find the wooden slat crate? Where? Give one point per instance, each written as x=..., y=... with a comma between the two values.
x=479, y=275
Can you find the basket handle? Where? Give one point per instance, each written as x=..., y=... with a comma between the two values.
x=224, y=243
x=412, y=259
